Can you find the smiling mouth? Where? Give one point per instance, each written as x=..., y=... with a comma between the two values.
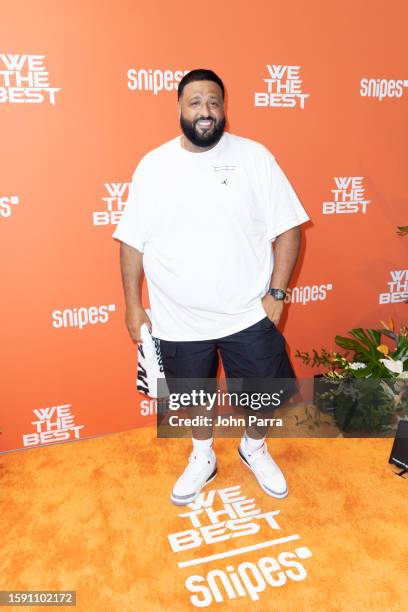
x=205, y=123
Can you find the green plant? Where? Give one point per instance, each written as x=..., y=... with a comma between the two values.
x=368, y=389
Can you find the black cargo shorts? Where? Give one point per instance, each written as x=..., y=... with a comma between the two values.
x=255, y=362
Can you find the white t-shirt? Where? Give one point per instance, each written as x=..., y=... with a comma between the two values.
x=205, y=223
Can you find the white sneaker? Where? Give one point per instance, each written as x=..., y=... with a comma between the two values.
x=201, y=469
x=267, y=472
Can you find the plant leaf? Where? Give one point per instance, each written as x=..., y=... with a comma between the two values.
x=375, y=335
x=360, y=334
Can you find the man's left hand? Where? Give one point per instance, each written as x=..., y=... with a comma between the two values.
x=273, y=308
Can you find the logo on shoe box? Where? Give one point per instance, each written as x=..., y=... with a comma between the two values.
x=283, y=86
x=215, y=518
x=114, y=203
x=82, y=316
x=142, y=384
x=142, y=378
x=7, y=204
x=348, y=196
x=52, y=424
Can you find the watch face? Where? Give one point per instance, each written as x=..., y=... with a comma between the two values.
x=278, y=294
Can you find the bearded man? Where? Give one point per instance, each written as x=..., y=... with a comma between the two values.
x=214, y=224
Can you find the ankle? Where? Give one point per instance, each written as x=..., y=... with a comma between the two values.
x=205, y=446
x=252, y=444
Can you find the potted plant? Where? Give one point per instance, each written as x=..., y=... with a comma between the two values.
x=366, y=388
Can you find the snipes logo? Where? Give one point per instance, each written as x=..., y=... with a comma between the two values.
x=348, y=196
x=7, y=204
x=81, y=317
x=24, y=79
x=115, y=203
x=154, y=80
x=309, y=293
x=283, y=87
x=217, y=518
x=382, y=88
x=398, y=288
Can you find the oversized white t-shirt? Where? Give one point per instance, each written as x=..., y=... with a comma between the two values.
x=205, y=223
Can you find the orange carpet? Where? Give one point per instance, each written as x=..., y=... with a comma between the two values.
x=94, y=516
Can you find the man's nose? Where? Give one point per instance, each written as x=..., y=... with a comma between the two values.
x=205, y=109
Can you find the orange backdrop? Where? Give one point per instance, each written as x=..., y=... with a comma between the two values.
x=334, y=77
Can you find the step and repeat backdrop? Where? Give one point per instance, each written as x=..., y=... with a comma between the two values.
x=87, y=88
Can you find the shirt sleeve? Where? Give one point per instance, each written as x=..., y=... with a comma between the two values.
x=284, y=209
x=133, y=225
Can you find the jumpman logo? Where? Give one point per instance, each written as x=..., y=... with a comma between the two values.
x=224, y=182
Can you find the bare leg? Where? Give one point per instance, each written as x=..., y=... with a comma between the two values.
x=204, y=431
x=256, y=431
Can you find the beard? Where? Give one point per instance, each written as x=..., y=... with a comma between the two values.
x=204, y=139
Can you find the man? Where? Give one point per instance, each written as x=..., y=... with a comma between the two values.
x=203, y=212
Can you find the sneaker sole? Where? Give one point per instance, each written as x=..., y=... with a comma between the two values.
x=267, y=491
x=185, y=502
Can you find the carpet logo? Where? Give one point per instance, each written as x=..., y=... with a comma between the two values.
x=7, y=204
x=382, y=88
x=154, y=80
x=397, y=288
x=283, y=88
x=24, y=78
x=115, y=202
x=53, y=424
x=348, y=196
x=81, y=317
x=238, y=517
x=308, y=293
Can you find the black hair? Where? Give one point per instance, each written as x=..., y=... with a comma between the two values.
x=199, y=74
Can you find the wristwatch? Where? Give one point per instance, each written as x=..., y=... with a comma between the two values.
x=278, y=294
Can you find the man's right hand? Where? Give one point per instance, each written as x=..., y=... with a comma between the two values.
x=135, y=317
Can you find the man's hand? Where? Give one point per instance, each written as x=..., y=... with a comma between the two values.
x=273, y=308
x=135, y=317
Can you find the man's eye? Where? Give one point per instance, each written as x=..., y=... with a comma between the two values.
x=214, y=104
x=194, y=103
